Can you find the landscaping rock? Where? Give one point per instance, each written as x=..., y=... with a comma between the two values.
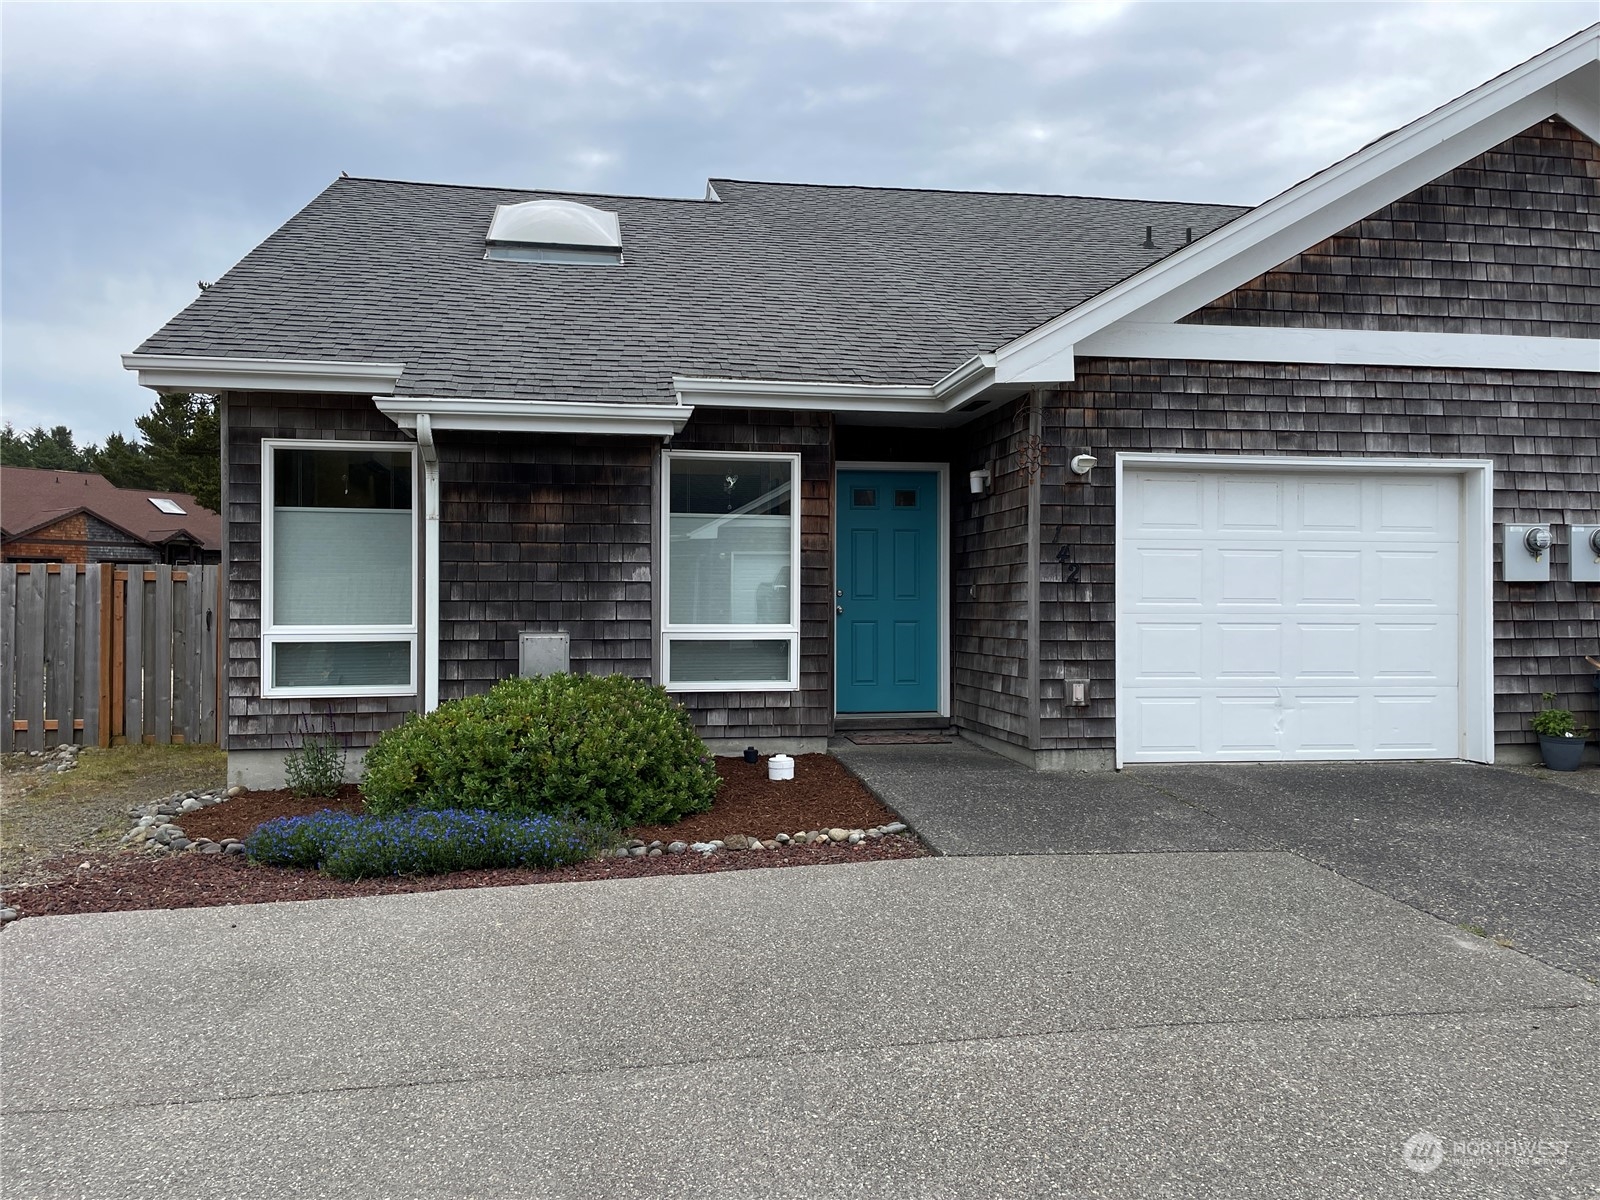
x=677, y=847
x=838, y=835
x=211, y=848
x=654, y=852
x=233, y=848
x=895, y=827
x=7, y=914
x=234, y=791
x=736, y=841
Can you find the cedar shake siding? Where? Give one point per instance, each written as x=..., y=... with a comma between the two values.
x=543, y=533
x=991, y=677
x=1542, y=430
x=1508, y=243
x=254, y=723
x=85, y=538
x=65, y=541
x=807, y=713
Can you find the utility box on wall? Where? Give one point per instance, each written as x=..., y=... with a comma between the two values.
x=1585, y=553
x=543, y=654
x=1527, y=553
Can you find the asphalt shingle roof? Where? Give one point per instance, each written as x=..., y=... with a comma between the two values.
x=774, y=281
x=31, y=498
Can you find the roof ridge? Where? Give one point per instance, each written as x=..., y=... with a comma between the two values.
x=868, y=187
x=483, y=187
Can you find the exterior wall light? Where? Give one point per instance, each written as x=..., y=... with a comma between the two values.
x=979, y=480
x=1082, y=464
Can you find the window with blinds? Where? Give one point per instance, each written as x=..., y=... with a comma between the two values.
x=339, y=581
x=732, y=543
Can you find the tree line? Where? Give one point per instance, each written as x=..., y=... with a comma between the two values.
x=177, y=449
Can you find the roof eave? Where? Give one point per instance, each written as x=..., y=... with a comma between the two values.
x=195, y=373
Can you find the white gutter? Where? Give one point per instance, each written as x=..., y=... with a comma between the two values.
x=536, y=416
x=433, y=587
x=182, y=372
x=937, y=399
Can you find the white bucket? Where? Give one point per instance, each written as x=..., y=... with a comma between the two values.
x=780, y=766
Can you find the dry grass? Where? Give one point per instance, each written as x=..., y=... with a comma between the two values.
x=87, y=808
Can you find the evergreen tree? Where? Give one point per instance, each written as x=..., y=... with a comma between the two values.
x=178, y=449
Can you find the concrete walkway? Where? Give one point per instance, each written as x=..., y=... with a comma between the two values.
x=1497, y=850
x=1183, y=1024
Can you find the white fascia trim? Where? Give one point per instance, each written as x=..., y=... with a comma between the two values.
x=1248, y=343
x=936, y=399
x=179, y=372
x=1321, y=206
x=536, y=416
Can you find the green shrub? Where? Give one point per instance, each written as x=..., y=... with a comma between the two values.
x=348, y=846
x=606, y=749
x=317, y=768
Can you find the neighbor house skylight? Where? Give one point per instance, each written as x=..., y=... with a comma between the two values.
x=170, y=507
x=561, y=231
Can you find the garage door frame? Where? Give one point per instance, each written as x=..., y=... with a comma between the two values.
x=1475, y=689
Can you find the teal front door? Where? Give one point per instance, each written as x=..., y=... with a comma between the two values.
x=888, y=603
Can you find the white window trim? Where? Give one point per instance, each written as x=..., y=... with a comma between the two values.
x=716, y=633
x=273, y=633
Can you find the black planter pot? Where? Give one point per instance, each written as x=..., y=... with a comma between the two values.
x=1561, y=753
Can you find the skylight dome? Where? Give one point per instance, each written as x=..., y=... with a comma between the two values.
x=554, y=231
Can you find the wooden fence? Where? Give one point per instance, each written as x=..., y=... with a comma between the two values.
x=104, y=654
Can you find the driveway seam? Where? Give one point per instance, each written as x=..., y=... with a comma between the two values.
x=798, y=1054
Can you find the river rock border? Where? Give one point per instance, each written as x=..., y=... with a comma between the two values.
x=157, y=831
x=637, y=848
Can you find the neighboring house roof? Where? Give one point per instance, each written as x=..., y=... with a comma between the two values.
x=770, y=281
x=32, y=499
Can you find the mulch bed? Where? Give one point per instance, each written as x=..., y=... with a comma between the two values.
x=822, y=794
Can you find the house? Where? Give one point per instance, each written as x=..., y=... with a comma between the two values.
x=76, y=517
x=1097, y=481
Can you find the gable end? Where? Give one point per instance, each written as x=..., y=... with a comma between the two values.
x=1507, y=243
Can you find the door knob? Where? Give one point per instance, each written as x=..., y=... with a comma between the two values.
x=838, y=610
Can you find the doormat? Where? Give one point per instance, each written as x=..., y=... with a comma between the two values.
x=898, y=738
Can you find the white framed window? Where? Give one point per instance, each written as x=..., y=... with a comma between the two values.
x=731, y=571
x=338, y=568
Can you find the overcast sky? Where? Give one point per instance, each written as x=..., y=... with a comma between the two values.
x=146, y=148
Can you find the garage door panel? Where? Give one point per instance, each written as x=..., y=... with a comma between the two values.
x=1420, y=506
x=1413, y=652
x=1331, y=506
x=1252, y=652
x=1329, y=578
x=1415, y=579
x=1250, y=504
x=1248, y=725
x=1164, y=577
x=1410, y=724
x=1327, y=652
x=1331, y=724
x=1320, y=617
x=1248, y=576
x=1168, y=726
x=1167, y=650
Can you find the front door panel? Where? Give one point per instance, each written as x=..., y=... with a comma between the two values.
x=888, y=573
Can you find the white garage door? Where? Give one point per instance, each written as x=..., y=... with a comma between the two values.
x=1277, y=615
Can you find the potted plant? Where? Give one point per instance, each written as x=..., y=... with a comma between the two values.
x=1561, y=738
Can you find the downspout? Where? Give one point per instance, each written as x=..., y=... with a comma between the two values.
x=430, y=562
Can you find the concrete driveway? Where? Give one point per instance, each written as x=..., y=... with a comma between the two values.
x=1515, y=856
x=1182, y=1024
